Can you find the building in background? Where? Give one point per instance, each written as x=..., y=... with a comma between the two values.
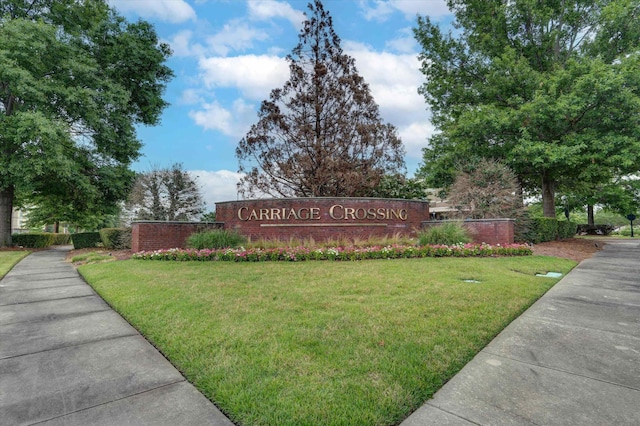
x=19, y=221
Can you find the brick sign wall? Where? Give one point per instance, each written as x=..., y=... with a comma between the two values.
x=322, y=218
x=490, y=231
x=156, y=235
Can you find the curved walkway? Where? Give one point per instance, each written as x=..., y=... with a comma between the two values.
x=66, y=358
x=573, y=358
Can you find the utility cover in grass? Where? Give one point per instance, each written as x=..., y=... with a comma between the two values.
x=550, y=275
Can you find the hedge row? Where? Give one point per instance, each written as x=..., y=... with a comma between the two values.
x=86, y=240
x=33, y=240
x=541, y=229
x=112, y=238
x=116, y=238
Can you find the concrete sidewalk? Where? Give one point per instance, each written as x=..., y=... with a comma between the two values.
x=573, y=358
x=66, y=358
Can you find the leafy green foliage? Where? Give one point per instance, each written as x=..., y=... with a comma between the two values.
x=538, y=88
x=76, y=79
x=566, y=229
x=399, y=186
x=536, y=230
x=61, y=239
x=40, y=240
x=321, y=134
x=625, y=231
x=116, y=238
x=448, y=233
x=208, y=217
x=86, y=240
x=216, y=239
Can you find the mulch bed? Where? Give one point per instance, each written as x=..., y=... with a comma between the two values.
x=577, y=249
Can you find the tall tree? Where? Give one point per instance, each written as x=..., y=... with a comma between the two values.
x=75, y=79
x=166, y=194
x=321, y=134
x=399, y=186
x=550, y=88
x=486, y=189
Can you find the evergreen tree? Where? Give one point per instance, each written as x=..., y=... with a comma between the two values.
x=321, y=134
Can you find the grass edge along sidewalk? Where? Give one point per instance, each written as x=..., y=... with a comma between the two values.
x=9, y=259
x=322, y=343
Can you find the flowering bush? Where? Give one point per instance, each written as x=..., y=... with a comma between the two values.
x=297, y=254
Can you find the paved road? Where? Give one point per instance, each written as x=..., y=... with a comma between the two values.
x=67, y=359
x=572, y=359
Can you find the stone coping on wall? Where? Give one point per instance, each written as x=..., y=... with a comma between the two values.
x=177, y=222
x=502, y=219
x=322, y=198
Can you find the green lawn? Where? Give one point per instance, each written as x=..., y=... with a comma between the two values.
x=332, y=343
x=8, y=259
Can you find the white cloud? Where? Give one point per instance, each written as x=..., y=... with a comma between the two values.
x=182, y=45
x=267, y=9
x=174, y=11
x=190, y=97
x=394, y=80
x=235, y=35
x=254, y=75
x=380, y=10
x=217, y=186
x=433, y=8
x=234, y=122
x=213, y=116
x=406, y=43
x=414, y=137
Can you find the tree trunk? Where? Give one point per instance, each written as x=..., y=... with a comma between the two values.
x=56, y=227
x=6, y=211
x=590, y=220
x=548, y=197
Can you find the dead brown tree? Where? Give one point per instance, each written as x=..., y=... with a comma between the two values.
x=321, y=134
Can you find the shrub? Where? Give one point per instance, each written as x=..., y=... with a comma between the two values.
x=566, y=229
x=116, y=238
x=35, y=240
x=449, y=233
x=61, y=239
x=540, y=229
x=216, y=239
x=86, y=240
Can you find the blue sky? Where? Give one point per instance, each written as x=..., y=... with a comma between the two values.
x=229, y=54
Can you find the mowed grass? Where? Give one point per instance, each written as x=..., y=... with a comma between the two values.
x=331, y=343
x=8, y=260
